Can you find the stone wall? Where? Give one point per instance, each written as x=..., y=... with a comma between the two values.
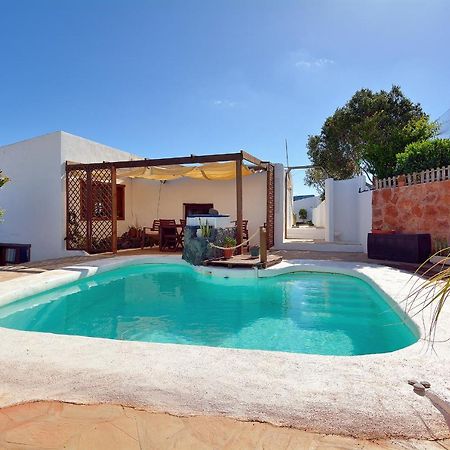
x=420, y=208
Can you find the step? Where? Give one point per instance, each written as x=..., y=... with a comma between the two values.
x=320, y=246
x=306, y=233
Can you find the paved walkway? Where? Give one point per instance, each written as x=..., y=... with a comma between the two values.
x=10, y=272
x=55, y=425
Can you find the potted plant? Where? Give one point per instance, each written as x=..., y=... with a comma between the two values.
x=254, y=251
x=228, y=243
x=303, y=215
x=132, y=232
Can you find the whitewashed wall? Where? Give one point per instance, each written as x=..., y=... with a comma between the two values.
x=32, y=199
x=143, y=207
x=352, y=210
x=346, y=215
x=365, y=217
x=318, y=214
x=35, y=198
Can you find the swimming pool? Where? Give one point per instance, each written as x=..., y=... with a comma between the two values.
x=316, y=313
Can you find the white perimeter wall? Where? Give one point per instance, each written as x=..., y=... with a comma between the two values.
x=346, y=212
x=318, y=214
x=365, y=217
x=32, y=199
x=352, y=211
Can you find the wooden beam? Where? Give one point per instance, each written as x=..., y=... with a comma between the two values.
x=114, y=209
x=252, y=159
x=302, y=167
x=161, y=161
x=239, y=204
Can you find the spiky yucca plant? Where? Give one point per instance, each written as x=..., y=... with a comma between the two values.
x=431, y=290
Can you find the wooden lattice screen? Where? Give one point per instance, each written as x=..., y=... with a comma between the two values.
x=90, y=217
x=270, y=211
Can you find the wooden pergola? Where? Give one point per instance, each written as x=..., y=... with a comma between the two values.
x=94, y=231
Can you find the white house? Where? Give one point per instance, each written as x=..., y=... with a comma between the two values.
x=35, y=198
x=36, y=207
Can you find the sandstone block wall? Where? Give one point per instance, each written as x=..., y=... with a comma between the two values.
x=420, y=208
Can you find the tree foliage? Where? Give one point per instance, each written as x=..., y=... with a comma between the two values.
x=424, y=155
x=3, y=180
x=365, y=135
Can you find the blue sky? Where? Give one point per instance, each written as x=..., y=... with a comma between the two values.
x=170, y=78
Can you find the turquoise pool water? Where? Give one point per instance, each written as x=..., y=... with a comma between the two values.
x=318, y=313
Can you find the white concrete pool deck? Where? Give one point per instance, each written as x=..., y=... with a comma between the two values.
x=361, y=396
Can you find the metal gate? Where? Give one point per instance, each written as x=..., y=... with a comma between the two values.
x=90, y=215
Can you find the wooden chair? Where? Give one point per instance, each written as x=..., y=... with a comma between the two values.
x=180, y=237
x=152, y=231
x=155, y=226
x=168, y=236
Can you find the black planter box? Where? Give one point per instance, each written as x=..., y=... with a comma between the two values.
x=14, y=253
x=414, y=248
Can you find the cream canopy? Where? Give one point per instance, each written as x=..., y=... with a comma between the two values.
x=210, y=171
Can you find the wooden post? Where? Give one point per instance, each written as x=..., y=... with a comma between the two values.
x=262, y=245
x=239, y=204
x=68, y=237
x=89, y=208
x=114, y=209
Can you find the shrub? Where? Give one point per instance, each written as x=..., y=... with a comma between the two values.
x=424, y=155
x=303, y=214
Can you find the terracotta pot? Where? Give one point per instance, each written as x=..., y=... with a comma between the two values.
x=383, y=231
x=227, y=253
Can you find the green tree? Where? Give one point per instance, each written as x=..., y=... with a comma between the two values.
x=365, y=135
x=3, y=180
x=424, y=155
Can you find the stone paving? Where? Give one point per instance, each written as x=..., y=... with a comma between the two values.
x=55, y=425
x=11, y=272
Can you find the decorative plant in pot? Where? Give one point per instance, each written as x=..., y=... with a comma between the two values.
x=228, y=243
x=254, y=251
x=204, y=230
x=133, y=232
x=303, y=215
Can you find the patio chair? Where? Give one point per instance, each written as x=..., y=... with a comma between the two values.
x=180, y=234
x=151, y=231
